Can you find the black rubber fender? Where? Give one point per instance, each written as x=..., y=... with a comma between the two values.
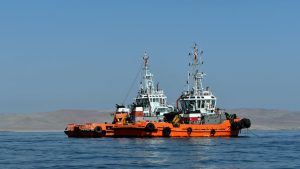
x=150, y=127
x=212, y=132
x=189, y=130
x=103, y=133
x=166, y=131
x=98, y=129
x=246, y=123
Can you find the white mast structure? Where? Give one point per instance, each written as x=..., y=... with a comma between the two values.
x=147, y=82
x=152, y=99
x=196, y=77
x=196, y=101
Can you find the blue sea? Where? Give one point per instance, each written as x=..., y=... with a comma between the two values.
x=254, y=149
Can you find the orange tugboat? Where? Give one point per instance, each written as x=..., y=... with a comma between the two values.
x=196, y=114
x=150, y=105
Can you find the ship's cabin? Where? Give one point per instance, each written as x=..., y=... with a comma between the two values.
x=121, y=114
x=198, y=104
x=151, y=103
x=121, y=109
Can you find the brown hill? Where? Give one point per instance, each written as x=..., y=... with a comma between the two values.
x=267, y=119
x=50, y=120
x=262, y=119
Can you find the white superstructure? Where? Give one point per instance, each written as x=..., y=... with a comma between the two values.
x=150, y=97
x=196, y=102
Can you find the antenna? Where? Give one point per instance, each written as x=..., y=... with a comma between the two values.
x=195, y=70
x=145, y=57
x=188, y=82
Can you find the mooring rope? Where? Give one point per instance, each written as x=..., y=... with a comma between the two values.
x=248, y=130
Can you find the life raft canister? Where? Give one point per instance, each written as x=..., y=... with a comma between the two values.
x=166, y=131
x=150, y=127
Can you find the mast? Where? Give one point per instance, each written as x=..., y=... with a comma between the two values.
x=149, y=95
x=147, y=84
x=196, y=76
x=197, y=101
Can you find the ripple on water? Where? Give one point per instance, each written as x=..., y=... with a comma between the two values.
x=279, y=149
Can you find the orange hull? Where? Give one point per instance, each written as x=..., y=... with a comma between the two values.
x=89, y=130
x=153, y=129
x=162, y=129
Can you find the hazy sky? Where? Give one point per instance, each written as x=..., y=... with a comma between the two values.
x=86, y=54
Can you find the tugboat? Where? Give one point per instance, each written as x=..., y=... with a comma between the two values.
x=197, y=115
x=150, y=99
x=149, y=105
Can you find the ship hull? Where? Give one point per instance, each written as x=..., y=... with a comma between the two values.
x=161, y=129
x=228, y=128
x=126, y=132
x=89, y=130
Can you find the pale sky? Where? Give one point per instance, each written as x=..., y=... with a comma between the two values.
x=85, y=54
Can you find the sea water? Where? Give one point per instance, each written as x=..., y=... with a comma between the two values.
x=254, y=149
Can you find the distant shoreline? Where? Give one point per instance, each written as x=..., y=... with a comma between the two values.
x=261, y=119
x=56, y=131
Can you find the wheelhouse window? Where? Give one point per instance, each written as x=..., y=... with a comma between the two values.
x=213, y=103
x=188, y=105
x=202, y=104
x=142, y=102
x=207, y=104
x=198, y=103
x=191, y=105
